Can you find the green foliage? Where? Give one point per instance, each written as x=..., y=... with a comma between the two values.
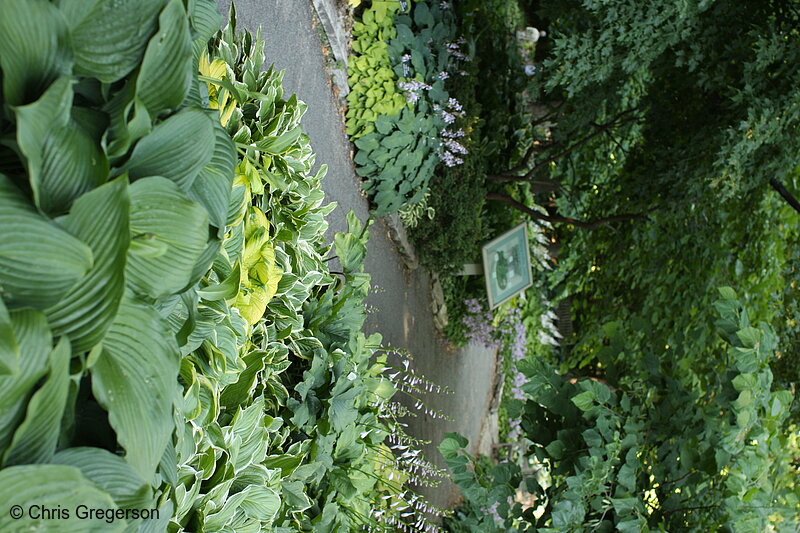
x=373, y=91
x=399, y=149
x=190, y=352
x=487, y=489
x=95, y=248
x=653, y=451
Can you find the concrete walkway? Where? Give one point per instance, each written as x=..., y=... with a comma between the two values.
x=403, y=313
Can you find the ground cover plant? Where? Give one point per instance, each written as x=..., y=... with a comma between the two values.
x=400, y=146
x=172, y=337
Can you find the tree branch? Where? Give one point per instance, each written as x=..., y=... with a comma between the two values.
x=556, y=218
x=785, y=194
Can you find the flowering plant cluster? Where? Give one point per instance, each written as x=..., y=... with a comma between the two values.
x=399, y=151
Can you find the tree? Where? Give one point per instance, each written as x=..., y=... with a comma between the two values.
x=690, y=98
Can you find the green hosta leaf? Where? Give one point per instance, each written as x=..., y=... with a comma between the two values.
x=294, y=495
x=52, y=487
x=64, y=160
x=30, y=335
x=135, y=380
x=109, y=36
x=36, y=438
x=129, y=121
x=161, y=209
x=34, y=48
x=39, y=262
x=109, y=473
x=205, y=18
x=89, y=307
x=177, y=149
x=9, y=349
x=166, y=71
x=212, y=187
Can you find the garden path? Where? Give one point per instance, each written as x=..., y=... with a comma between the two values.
x=402, y=306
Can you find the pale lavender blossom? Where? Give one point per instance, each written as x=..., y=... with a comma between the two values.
x=443, y=75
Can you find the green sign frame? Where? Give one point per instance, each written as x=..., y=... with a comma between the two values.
x=507, y=265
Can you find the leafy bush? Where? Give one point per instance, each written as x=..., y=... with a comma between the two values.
x=170, y=335
x=654, y=451
x=399, y=154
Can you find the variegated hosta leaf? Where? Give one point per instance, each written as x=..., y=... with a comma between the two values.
x=260, y=273
x=166, y=70
x=109, y=36
x=168, y=235
x=36, y=438
x=52, y=487
x=177, y=148
x=35, y=275
x=100, y=219
x=135, y=380
x=34, y=48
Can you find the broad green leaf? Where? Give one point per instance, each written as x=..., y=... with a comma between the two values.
x=135, y=380
x=109, y=36
x=177, y=149
x=39, y=262
x=584, y=400
x=159, y=208
x=294, y=495
x=166, y=70
x=212, y=187
x=36, y=438
x=34, y=48
x=129, y=121
x=63, y=159
x=9, y=349
x=109, y=473
x=89, y=307
x=31, y=336
x=350, y=250
x=205, y=18
x=52, y=487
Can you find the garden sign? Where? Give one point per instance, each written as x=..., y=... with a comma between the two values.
x=507, y=265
